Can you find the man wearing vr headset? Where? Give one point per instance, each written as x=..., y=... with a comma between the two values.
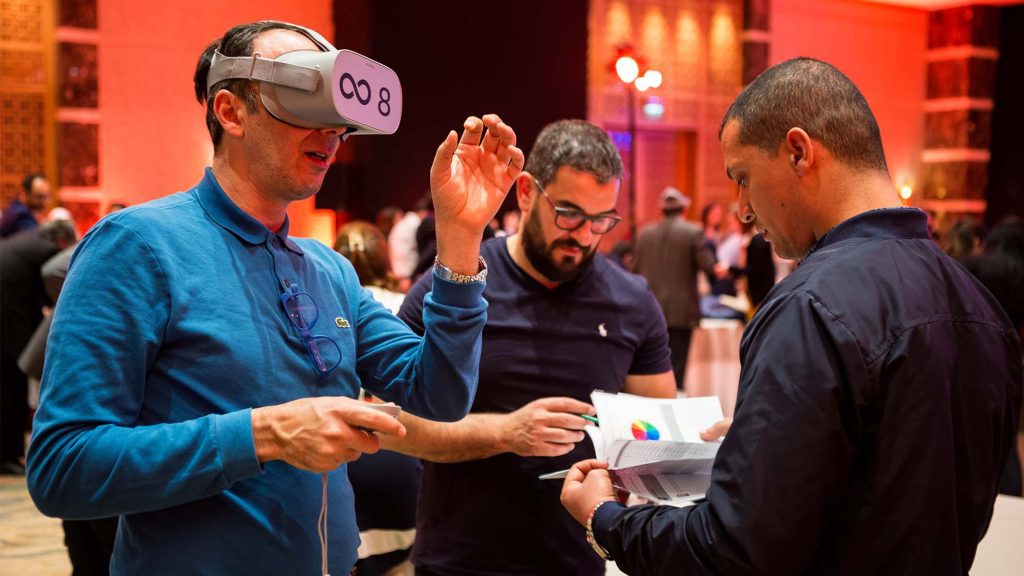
x=204, y=363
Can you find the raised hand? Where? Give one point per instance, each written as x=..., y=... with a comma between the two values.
x=468, y=181
x=545, y=427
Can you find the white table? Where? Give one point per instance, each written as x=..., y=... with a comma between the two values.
x=713, y=368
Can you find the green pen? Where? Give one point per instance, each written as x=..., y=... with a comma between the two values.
x=591, y=419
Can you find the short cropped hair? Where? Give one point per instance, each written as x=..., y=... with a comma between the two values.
x=815, y=96
x=237, y=41
x=61, y=232
x=577, y=144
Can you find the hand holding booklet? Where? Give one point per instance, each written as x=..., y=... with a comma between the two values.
x=653, y=446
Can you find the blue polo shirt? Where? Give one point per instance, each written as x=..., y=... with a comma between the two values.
x=168, y=332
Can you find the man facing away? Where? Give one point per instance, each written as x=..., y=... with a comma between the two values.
x=881, y=384
x=205, y=391
x=670, y=254
x=561, y=322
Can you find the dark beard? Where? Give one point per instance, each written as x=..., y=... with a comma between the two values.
x=541, y=256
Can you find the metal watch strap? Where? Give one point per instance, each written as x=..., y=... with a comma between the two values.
x=450, y=275
x=604, y=554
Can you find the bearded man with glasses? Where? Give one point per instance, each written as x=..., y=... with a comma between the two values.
x=562, y=321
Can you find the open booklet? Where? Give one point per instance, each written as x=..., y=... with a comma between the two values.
x=653, y=446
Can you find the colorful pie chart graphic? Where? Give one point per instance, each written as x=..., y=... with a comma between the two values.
x=645, y=430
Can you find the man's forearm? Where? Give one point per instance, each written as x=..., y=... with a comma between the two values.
x=475, y=437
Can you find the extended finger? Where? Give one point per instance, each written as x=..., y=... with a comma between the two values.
x=567, y=405
x=443, y=158
x=716, y=430
x=493, y=139
x=561, y=434
x=516, y=163
x=472, y=130
x=499, y=137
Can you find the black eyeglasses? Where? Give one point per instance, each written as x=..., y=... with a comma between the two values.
x=570, y=219
x=303, y=313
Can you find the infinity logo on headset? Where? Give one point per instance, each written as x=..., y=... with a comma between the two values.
x=329, y=88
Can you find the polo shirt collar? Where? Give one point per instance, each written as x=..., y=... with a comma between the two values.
x=229, y=216
x=884, y=223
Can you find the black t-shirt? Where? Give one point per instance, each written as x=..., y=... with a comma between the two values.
x=494, y=516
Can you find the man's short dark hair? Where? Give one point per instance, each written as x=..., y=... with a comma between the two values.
x=577, y=144
x=815, y=96
x=237, y=41
x=26, y=182
x=61, y=232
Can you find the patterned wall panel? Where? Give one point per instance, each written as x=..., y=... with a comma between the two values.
x=77, y=73
x=22, y=20
x=25, y=101
x=22, y=150
x=78, y=14
x=79, y=154
x=20, y=66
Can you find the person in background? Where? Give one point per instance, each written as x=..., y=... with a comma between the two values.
x=669, y=255
x=402, y=247
x=1000, y=267
x=880, y=387
x=562, y=321
x=25, y=212
x=964, y=239
x=363, y=244
x=22, y=299
x=385, y=484
x=387, y=217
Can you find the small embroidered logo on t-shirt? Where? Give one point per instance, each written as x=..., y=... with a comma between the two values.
x=341, y=322
x=601, y=330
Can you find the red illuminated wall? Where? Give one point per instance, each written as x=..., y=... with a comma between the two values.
x=152, y=137
x=881, y=48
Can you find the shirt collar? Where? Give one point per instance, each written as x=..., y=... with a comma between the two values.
x=229, y=216
x=904, y=223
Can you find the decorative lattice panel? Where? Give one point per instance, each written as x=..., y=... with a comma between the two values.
x=22, y=147
x=26, y=43
x=22, y=67
x=22, y=20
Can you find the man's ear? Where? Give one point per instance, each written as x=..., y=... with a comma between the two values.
x=231, y=112
x=800, y=149
x=525, y=189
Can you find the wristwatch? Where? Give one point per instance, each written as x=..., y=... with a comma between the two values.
x=604, y=554
x=446, y=273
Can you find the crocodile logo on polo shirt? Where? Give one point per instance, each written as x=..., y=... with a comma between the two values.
x=341, y=322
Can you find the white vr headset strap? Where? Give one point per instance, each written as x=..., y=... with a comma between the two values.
x=255, y=68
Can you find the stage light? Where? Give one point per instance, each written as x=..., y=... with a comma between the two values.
x=627, y=69
x=653, y=78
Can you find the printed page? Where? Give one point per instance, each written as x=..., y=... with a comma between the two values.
x=626, y=453
x=629, y=417
x=675, y=488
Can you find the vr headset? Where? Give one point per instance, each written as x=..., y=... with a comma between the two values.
x=329, y=88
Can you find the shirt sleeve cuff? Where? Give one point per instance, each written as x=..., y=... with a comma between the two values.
x=235, y=444
x=604, y=519
x=457, y=294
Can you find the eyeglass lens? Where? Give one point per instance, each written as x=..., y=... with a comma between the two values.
x=303, y=313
